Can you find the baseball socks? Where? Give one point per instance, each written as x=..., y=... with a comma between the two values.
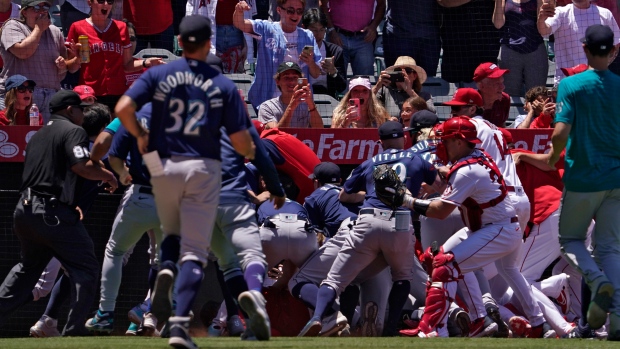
x=188, y=285
x=396, y=301
x=254, y=275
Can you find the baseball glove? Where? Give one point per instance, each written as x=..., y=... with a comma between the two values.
x=388, y=186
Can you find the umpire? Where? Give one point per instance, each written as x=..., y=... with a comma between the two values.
x=47, y=220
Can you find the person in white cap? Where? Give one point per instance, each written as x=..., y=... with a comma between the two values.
x=369, y=114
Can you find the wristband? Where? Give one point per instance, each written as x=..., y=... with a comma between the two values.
x=144, y=63
x=418, y=206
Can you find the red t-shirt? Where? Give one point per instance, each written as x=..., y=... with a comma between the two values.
x=21, y=119
x=542, y=121
x=105, y=72
x=543, y=188
x=149, y=17
x=299, y=162
x=498, y=114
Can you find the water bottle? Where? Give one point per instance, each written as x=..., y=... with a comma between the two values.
x=34, y=115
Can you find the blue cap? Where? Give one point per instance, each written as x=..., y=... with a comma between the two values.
x=195, y=29
x=15, y=81
x=599, y=39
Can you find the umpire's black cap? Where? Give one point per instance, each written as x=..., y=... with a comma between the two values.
x=390, y=130
x=195, y=29
x=65, y=98
x=326, y=172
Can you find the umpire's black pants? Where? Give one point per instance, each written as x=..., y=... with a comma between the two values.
x=48, y=230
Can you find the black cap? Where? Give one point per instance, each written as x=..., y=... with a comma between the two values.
x=390, y=130
x=422, y=119
x=195, y=29
x=599, y=39
x=326, y=172
x=289, y=66
x=65, y=98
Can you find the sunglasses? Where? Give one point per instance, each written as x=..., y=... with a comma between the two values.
x=407, y=70
x=133, y=38
x=39, y=8
x=289, y=10
x=101, y=2
x=23, y=89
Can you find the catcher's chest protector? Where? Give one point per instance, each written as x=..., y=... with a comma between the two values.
x=472, y=214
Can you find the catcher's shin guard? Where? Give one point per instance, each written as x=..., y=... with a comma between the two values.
x=440, y=293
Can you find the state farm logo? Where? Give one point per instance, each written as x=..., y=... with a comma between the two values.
x=7, y=149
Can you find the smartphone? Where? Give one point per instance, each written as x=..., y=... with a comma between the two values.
x=302, y=82
x=396, y=76
x=355, y=102
x=329, y=60
x=550, y=96
x=308, y=49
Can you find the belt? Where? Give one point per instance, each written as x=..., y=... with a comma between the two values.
x=145, y=190
x=513, y=188
x=505, y=221
x=347, y=32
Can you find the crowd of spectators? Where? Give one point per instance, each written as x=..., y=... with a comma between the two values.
x=502, y=48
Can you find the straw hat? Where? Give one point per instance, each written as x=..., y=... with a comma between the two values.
x=408, y=62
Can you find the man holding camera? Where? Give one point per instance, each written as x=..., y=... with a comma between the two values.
x=295, y=107
x=399, y=82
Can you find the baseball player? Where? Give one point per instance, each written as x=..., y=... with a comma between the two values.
x=476, y=187
x=378, y=229
x=236, y=241
x=189, y=101
x=136, y=214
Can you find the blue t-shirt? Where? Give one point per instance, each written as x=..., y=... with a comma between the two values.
x=410, y=167
x=191, y=101
x=124, y=146
x=266, y=210
x=272, y=47
x=326, y=212
x=589, y=103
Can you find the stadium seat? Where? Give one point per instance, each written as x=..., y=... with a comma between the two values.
x=166, y=55
x=243, y=82
x=55, y=15
x=437, y=87
x=325, y=104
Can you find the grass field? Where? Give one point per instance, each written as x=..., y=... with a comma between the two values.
x=305, y=343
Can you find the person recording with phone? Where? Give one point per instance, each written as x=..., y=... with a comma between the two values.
x=295, y=106
x=333, y=79
x=540, y=108
x=399, y=82
x=359, y=108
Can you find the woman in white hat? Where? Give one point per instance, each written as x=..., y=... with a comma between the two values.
x=393, y=90
x=359, y=108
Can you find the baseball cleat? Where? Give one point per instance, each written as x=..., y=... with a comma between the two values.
x=312, y=328
x=217, y=329
x=132, y=330
x=482, y=327
x=235, y=326
x=334, y=325
x=369, y=327
x=179, y=333
x=253, y=303
x=502, y=328
x=600, y=304
x=102, y=323
x=543, y=330
x=463, y=322
x=519, y=326
x=149, y=325
x=136, y=313
x=161, y=302
x=45, y=327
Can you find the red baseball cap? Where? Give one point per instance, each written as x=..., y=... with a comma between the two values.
x=260, y=127
x=84, y=91
x=488, y=70
x=466, y=96
x=507, y=135
x=580, y=68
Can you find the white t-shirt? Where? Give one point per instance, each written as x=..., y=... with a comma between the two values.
x=569, y=26
x=291, y=54
x=493, y=143
x=474, y=181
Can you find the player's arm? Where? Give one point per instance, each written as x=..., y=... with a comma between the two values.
x=539, y=161
x=242, y=142
x=351, y=198
x=126, y=112
x=430, y=208
x=118, y=166
x=101, y=146
x=559, y=138
x=268, y=170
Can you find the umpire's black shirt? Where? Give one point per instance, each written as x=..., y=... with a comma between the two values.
x=50, y=153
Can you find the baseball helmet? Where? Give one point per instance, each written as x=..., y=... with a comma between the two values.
x=459, y=127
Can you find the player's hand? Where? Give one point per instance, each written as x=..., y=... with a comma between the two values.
x=112, y=182
x=154, y=61
x=242, y=6
x=443, y=171
x=262, y=197
x=143, y=143
x=371, y=33
x=77, y=208
x=278, y=201
x=125, y=177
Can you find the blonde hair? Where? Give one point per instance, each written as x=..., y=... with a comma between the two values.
x=424, y=133
x=377, y=114
x=9, y=102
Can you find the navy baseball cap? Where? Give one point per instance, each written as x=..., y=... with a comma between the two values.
x=195, y=29
x=289, y=66
x=65, y=98
x=326, y=172
x=422, y=119
x=599, y=39
x=391, y=130
x=16, y=81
